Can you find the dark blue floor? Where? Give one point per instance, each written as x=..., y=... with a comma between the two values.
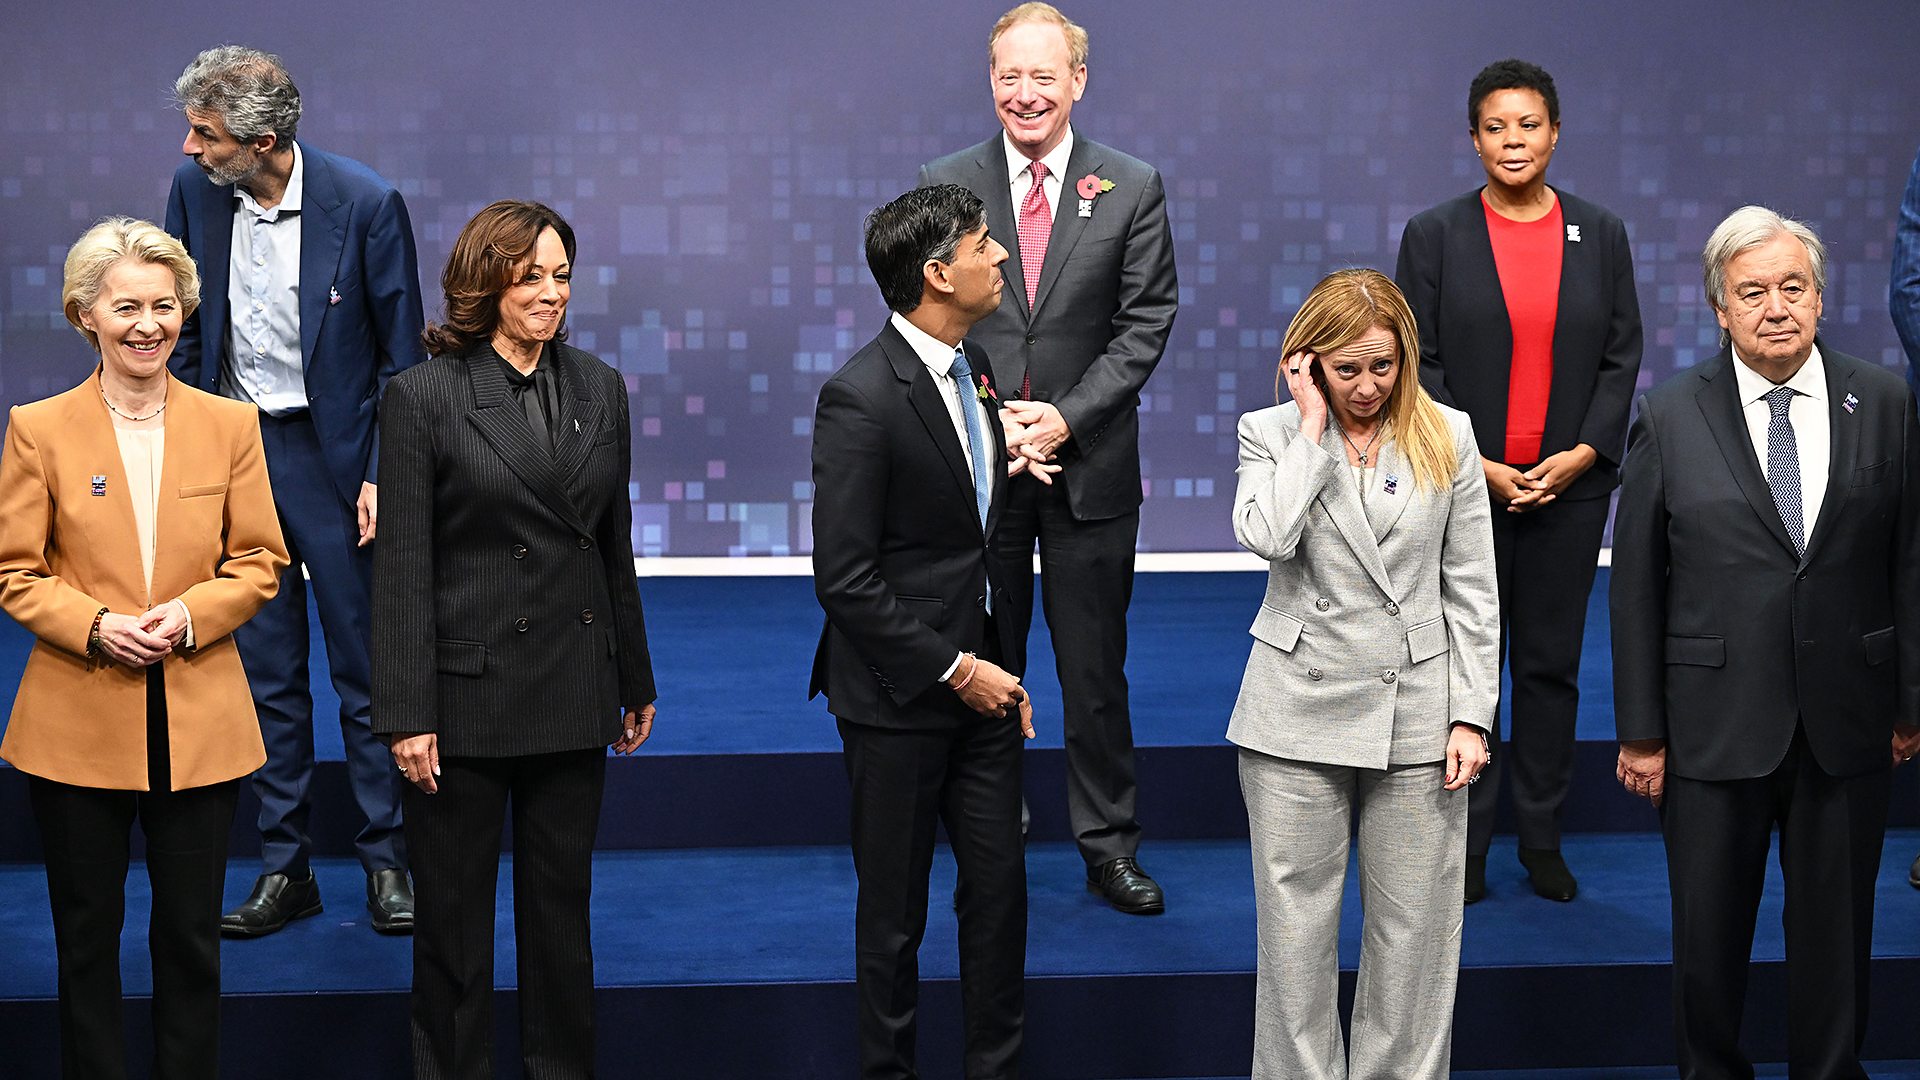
x=732, y=655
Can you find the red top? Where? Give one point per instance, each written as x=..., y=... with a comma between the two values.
x=1527, y=256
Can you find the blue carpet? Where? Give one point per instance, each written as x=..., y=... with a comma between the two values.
x=732, y=684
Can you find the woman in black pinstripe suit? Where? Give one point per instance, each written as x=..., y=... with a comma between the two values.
x=508, y=642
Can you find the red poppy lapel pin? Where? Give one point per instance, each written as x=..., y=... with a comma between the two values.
x=985, y=391
x=1090, y=188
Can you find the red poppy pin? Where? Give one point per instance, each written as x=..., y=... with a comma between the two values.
x=985, y=391
x=1091, y=187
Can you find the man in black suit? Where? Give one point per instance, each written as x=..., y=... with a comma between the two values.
x=917, y=658
x=1091, y=304
x=1766, y=641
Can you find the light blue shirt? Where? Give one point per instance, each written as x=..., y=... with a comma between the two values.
x=264, y=363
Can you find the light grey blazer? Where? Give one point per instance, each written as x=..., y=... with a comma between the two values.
x=1381, y=623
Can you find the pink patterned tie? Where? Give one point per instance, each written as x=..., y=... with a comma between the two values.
x=1036, y=222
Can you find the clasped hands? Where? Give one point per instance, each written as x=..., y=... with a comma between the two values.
x=1520, y=491
x=140, y=640
x=1035, y=431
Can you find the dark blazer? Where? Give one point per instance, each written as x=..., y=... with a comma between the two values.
x=356, y=245
x=1100, y=318
x=900, y=561
x=506, y=615
x=1723, y=639
x=1447, y=273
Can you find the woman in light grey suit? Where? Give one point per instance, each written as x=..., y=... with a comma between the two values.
x=1371, y=685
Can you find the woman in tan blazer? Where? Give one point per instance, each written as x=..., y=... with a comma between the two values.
x=137, y=531
x=1370, y=687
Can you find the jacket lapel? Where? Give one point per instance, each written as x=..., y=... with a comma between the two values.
x=1719, y=401
x=216, y=256
x=924, y=394
x=1844, y=455
x=504, y=427
x=323, y=235
x=579, y=413
x=1067, y=222
x=1342, y=502
x=1000, y=221
x=186, y=441
x=109, y=523
x=1392, y=491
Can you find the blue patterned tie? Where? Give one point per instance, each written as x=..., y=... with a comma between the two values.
x=1783, y=466
x=976, y=438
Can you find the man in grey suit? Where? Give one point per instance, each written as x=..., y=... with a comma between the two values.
x=1090, y=301
x=1766, y=643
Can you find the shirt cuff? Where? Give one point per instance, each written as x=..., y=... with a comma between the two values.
x=953, y=667
x=186, y=642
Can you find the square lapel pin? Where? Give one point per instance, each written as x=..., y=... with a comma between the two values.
x=1849, y=402
x=99, y=484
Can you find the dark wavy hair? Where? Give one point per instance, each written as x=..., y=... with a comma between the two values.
x=491, y=254
x=924, y=224
x=1511, y=75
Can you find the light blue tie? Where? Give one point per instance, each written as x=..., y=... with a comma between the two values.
x=963, y=388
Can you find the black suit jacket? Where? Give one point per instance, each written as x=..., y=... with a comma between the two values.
x=506, y=615
x=900, y=561
x=1447, y=273
x=1723, y=638
x=1100, y=318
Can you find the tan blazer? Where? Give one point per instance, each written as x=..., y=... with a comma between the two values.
x=68, y=548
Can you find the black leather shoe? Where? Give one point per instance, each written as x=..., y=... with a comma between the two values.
x=1913, y=873
x=390, y=900
x=1548, y=873
x=276, y=901
x=1123, y=884
x=1476, y=878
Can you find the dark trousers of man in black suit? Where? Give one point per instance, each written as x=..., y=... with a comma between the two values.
x=455, y=837
x=904, y=782
x=1545, y=560
x=1718, y=833
x=85, y=832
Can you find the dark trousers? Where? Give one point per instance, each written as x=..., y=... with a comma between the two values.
x=1545, y=560
x=904, y=781
x=1717, y=834
x=1085, y=589
x=455, y=839
x=322, y=531
x=85, y=832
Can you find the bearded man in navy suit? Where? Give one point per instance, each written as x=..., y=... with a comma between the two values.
x=311, y=303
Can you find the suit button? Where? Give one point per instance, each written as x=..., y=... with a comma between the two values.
x=1388, y=676
x=1393, y=608
x=1031, y=339
x=586, y=616
x=585, y=543
x=1801, y=576
x=1322, y=604
x=520, y=624
x=1314, y=673
x=980, y=601
x=519, y=551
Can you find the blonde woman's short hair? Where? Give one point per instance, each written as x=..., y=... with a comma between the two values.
x=107, y=243
x=1043, y=13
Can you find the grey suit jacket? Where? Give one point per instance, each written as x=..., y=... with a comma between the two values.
x=1381, y=623
x=1102, y=310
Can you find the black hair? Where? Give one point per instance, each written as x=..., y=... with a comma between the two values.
x=1511, y=75
x=925, y=223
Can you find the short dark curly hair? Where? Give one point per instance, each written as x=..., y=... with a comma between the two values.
x=1511, y=74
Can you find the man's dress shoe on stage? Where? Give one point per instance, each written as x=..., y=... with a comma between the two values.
x=1123, y=884
x=276, y=901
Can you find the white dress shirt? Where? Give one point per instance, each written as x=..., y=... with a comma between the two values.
x=1021, y=177
x=938, y=357
x=264, y=363
x=1810, y=414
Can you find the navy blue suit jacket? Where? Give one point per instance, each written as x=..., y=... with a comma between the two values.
x=360, y=307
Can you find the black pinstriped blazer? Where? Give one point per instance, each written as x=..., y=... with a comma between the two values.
x=506, y=616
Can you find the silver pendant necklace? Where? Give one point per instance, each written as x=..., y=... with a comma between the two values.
x=1358, y=451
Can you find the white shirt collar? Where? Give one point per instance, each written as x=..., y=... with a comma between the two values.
x=289, y=201
x=936, y=354
x=1810, y=380
x=1055, y=160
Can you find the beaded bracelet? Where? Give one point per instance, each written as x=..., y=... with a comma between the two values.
x=93, y=634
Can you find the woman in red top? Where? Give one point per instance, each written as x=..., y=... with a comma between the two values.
x=1529, y=322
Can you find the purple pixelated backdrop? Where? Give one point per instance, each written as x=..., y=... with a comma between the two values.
x=717, y=160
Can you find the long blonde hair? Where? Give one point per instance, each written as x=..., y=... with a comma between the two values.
x=1345, y=305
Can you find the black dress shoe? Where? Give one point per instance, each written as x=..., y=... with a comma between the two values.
x=390, y=900
x=1548, y=874
x=1123, y=884
x=276, y=901
x=1476, y=878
